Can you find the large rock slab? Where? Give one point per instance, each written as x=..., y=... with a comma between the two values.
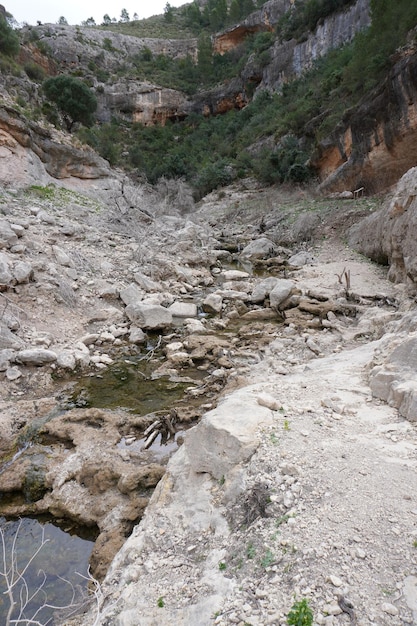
x=183, y=508
x=183, y=309
x=282, y=289
x=226, y=436
x=261, y=248
x=36, y=356
x=263, y=288
x=149, y=316
x=395, y=380
x=131, y=294
x=212, y=303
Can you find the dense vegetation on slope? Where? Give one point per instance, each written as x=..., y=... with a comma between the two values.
x=273, y=136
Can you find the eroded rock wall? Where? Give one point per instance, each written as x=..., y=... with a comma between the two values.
x=35, y=156
x=390, y=235
x=139, y=101
x=263, y=20
x=375, y=144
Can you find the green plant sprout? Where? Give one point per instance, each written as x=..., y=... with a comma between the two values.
x=300, y=614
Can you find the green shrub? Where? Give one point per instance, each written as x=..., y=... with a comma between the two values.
x=44, y=48
x=107, y=45
x=9, y=40
x=49, y=110
x=211, y=177
x=20, y=101
x=34, y=71
x=75, y=100
x=300, y=614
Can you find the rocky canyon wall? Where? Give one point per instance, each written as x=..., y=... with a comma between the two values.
x=291, y=58
x=390, y=235
x=376, y=142
x=35, y=156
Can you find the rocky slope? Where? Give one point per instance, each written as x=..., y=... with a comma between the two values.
x=249, y=512
x=298, y=484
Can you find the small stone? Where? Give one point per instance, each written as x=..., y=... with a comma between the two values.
x=361, y=554
x=62, y=257
x=288, y=469
x=288, y=499
x=137, y=335
x=104, y=358
x=336, y=582
x=268, y=401
x=390, y=609
x=106, y=336
x=332, y=609
x=13, y=373
x=66, y=360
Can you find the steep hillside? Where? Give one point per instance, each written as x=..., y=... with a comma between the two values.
x=290, y=92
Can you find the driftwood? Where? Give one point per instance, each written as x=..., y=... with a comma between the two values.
x=321, y=309
x=164, y=426
x=275, y=262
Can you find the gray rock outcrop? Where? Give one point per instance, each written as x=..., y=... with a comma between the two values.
x=389, y=236
x=291, y=59
x=395, y=382
x=149, y=316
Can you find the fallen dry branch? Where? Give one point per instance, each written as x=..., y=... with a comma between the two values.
x=164, y=426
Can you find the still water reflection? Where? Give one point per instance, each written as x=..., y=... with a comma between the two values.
x=41, y=567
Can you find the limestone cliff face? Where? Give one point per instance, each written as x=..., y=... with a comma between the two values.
x=263, y=20
x=74, y=46
x=290, y=59
x=376, y=143
x=139, y=101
